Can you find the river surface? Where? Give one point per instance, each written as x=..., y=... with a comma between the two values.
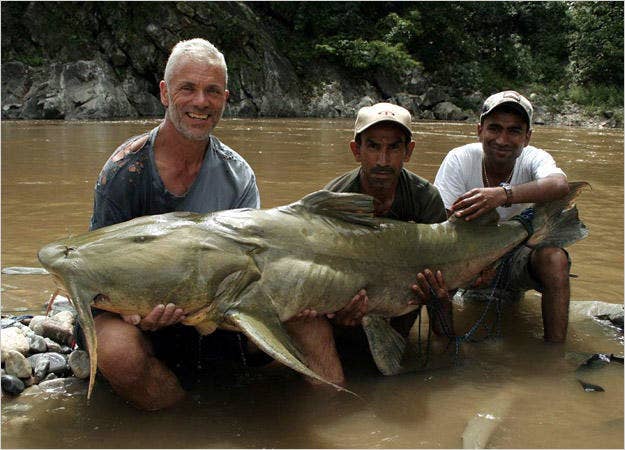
x=525, y=387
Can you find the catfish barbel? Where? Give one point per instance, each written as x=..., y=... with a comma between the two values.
x=254, y=269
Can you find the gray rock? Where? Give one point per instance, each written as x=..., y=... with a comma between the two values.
x=13, y=339
x=15, y=84
x=50, y=376
x=31, y=380
x=416, y=82
x=53, y=346
x=65, y=317
x=16, y=364
x=41, y=368
x=35, y=321
x=79, y=363
x=65, y=349
x=409, y=101
x=55, y=330
x=7, y=322
x=12, y=384
x=433, y=96
x=364, y=101
x=59, y=304
x=137, y=91
x=58, y=363
x=449, y=111
x=68, y=386
x=37, y=344
x=427, y=115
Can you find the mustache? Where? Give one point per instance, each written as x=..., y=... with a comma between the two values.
x=383, y=170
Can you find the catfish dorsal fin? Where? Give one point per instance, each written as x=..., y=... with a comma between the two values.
x=350, y=207
x=490, y=218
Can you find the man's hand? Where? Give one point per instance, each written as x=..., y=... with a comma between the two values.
x=478, y=202
x=485, y=278
x=426, y=280
x=350, y=315
x=160, y=317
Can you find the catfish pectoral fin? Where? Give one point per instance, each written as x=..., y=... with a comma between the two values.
x=266, y=331
x=387, y=345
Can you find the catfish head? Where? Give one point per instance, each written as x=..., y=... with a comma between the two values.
x=131, y=267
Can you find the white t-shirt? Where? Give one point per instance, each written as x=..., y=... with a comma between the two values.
x=461, y=171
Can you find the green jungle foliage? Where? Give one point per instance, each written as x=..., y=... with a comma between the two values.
x=570, y=48
x=468, y=46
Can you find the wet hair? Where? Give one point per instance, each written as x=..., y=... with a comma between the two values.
x=407, y=136
x=509, y=108
x=197, y=50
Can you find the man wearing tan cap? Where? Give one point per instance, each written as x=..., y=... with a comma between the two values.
x=502, y=171
x=382, y=144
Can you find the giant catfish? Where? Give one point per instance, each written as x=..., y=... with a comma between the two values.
x=254, y=269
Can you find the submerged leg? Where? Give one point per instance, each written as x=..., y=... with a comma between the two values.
x=550, y=265
x=315, y=338
x=126, y=359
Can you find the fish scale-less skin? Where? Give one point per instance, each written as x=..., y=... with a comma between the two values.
x=253, y=269
x=338, y=258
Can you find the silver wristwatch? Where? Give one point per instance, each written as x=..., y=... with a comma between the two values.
x=506, y=187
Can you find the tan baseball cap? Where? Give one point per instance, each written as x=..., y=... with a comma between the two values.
x=513, y=98
x=381, y=112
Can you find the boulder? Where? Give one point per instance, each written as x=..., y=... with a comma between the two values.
x=12, y=384
x=17, y=365
x=449, y=111
x=13, y=339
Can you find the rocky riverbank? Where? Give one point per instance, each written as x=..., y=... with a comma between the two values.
x=91, y=89
x=106, y=63
x=40, y=352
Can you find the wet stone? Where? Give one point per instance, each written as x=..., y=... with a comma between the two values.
x=58, y=331
x=58, y=363
x=37, y=344
x=16, y=364
x=65, y=349
x=7, y=322
x=50, y=376
x=41, y=368
x=30, y=381
x=69, y=385
x=12, y=384
x=79, y=363
x=64, y=317
x=60, y=303
x=52, y=346
x=13, y=339
x=35, y=323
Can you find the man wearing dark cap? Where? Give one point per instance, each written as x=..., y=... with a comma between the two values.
x=502, y=171
x=382, y=144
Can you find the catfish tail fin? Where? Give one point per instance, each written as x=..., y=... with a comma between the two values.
x=557, y=223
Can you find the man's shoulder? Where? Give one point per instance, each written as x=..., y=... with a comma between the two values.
x=130, y=160
x=417, y=183
x=344, y=183
x=472, y=150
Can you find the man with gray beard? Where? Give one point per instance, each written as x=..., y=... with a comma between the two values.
x=177, y=166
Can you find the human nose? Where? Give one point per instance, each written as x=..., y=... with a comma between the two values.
x=383, y=157
x=201, y=99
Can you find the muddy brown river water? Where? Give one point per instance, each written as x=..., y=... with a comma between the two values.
x=522, y=385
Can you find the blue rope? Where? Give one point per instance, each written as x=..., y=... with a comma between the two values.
x=436, y=313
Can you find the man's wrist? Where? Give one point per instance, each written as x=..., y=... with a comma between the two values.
x=508, y=191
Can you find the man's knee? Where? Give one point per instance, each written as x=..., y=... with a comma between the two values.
x=550, y=264
x=122, y=348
